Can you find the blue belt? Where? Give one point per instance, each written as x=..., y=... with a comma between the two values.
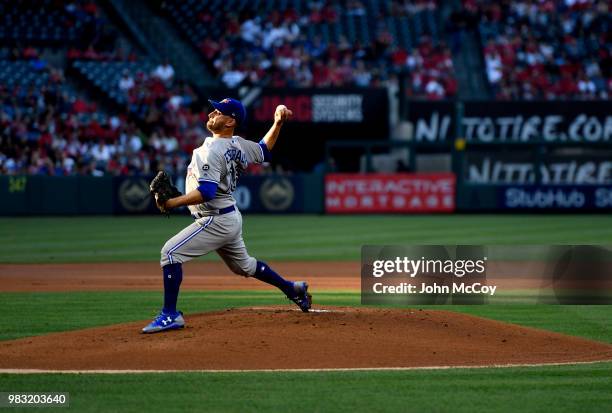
x=222, y=211
x=227, y=210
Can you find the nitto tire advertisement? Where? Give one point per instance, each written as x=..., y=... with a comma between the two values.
x=521, y=167
x=560, y=122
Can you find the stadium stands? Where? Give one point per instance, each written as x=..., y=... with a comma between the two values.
x=23, y=72
x=47, y=128
x=321, y=44
x=138, y=117
x=106, y=76
x=55, y=22
x=547, y=49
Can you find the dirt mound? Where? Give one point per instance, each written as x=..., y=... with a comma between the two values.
x=283, y=338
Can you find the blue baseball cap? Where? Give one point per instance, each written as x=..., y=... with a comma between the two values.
x=230, y=107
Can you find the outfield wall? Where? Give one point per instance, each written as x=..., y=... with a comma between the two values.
x=86, y=195
x=407, y=193
x=50, y=195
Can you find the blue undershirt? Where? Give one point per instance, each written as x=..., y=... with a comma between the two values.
x=208, y=189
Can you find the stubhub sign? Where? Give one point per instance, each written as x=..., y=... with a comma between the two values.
x=557, y=197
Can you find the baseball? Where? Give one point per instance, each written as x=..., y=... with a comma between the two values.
x=281, y=107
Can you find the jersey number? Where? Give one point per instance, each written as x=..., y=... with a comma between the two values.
x=233, y=178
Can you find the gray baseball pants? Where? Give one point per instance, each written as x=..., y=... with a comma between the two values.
x=221, y=233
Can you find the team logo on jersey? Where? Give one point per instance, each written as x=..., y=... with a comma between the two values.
x=277, y=193
x=206, y=167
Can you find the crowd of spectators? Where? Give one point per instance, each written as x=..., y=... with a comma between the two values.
x=160, y=102
x=430, y=70
x=533, y=49
x=50, y=130
x=146, y=91
x=277, y=49
x=549, y=49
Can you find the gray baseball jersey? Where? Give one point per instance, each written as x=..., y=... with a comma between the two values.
x=218, y=160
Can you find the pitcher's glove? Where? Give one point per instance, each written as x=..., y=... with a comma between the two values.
x=162, y=190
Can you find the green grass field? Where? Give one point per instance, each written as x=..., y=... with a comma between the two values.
x=581, y=388
x=287, y=237
x=309, y=238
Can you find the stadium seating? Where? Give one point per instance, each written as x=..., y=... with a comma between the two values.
x=546, y=50
x=106, y=75
x=24, y=72
x=559, y=49
x=54, y=22
x=48, y=128
x=238, y=38
x=41, y=21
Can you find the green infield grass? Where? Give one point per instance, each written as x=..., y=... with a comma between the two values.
x=579, y=388
x=286, y=237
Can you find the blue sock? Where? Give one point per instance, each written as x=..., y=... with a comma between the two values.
x=173, y=276
x=266, y=274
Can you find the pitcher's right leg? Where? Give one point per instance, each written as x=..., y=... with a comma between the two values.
x=240, y=262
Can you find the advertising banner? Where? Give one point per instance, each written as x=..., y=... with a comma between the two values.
x=555, y=197
x=349, y=107
x=485, y=121
x=522, y=166
x=398, y=193
x=535, y=198
x=319, y=115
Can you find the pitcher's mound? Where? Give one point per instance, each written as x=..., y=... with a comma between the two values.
x=284, y=338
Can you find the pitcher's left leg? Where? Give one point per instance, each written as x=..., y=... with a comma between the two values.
x=240, y=262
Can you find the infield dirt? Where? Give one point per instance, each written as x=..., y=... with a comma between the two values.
x=273, y=337
x=285, y=338
x=147, y=276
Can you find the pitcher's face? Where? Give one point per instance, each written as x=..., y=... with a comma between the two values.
x=218, y=122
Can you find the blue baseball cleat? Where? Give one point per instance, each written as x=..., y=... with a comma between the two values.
x=165, y=321
x=302, y=298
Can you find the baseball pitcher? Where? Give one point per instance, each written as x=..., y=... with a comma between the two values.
x=211, y=179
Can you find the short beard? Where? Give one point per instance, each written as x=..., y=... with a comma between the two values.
x=219, y=129
x=212, y=129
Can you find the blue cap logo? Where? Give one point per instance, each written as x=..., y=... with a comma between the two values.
x=230, y=107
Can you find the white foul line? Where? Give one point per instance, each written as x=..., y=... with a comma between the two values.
x=340, y=369
x=274, y=310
